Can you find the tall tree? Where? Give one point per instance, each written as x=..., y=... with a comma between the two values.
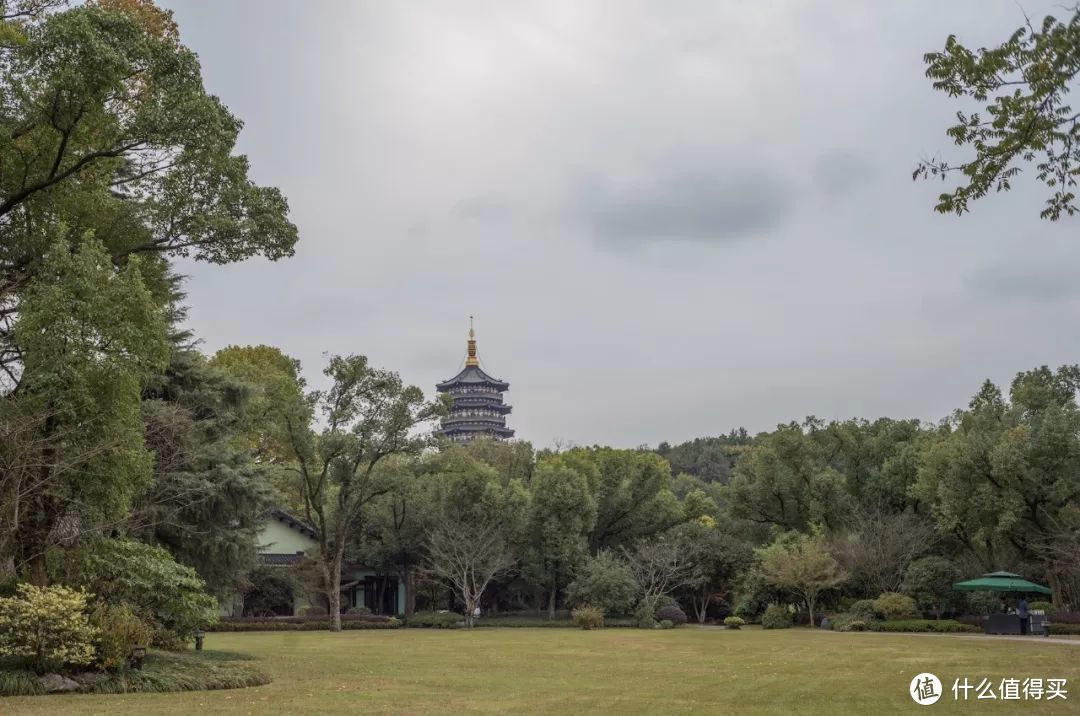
x=366, y=416
x=479, y=527
x=561, y=516
x=632, y=489
x=1023, y=86
x=105, y=126
x=89, y=337
x=208, y=495
x=1003, y=475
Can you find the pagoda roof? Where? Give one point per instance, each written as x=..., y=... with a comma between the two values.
x=472, y=375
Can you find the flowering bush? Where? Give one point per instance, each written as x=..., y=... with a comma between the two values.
x=589, y=617
x=734, y=622
x=46, y=628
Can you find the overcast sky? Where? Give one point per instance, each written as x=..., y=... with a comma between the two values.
x=669, y=218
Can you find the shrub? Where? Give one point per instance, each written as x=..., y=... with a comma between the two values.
x=982, y=603
x=1064, y=617
x=972, y=620
x=645, y=616
x=589, y=617
x=272, y=591
x=312, y=611
x=119, y=630
x=604, y=581
x=734, y=622
x=666, y=624
x=167, y=595
x=843, y=622
x=46, y=628
x=865, y=609
x=362, y=611
x=1040, y=606
x=1058, y=629
x=435, y=620
x=776, y=617
x=673, y=613
x=893, y=605
x=942, y=626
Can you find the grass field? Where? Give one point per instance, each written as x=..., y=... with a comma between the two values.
x=624, y=671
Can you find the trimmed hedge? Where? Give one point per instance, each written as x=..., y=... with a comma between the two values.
x=1064, y=617
x=348, y=621
x=436, y=620
x=544, y=622
x=1058, y=629
x=940, y=626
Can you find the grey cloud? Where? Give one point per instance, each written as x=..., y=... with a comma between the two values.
x=484, y=207
x=841, y=172
x=719, y=204
x=1039, y=282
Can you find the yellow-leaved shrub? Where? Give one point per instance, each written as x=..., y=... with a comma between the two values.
x=47, y=628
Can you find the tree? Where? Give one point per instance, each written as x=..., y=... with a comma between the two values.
x=801, y=564
x=604, y=581
x=88, y=337
x=562, y=514
x=716, y=558
x=366, y=416
x=106, y=128
x=469, y=555
x=1023, y=85
x=1002, y=475
x=470, y=498
x=929, y=582
x=208, y=494
x=878, y=546
x=396, y=531
x=632, y=489
x=660, y=566
x=275, y=391
x=786, y=480
x=710, y=459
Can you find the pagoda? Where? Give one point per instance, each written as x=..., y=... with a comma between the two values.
x=477, y=409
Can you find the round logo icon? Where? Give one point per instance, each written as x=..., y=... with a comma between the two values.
x=925, y=689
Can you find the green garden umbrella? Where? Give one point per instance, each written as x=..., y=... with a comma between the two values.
x=1000, y=582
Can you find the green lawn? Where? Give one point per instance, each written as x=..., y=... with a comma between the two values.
x=624, y=671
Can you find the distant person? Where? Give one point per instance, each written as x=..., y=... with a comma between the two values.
x=1022, y=610
x=1004, y=606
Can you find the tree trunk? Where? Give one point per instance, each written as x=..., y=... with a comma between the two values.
x=810, y=608
x=470, y=608
x=551, y=599
x=334, y=596
x=410, y=592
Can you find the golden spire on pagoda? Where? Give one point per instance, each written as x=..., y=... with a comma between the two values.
x=472, y=359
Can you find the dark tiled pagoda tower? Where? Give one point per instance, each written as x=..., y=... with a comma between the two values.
x=478, y=409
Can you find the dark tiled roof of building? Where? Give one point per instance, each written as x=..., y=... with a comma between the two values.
x=280, y=560
x=295, y=522
x=473, y=375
